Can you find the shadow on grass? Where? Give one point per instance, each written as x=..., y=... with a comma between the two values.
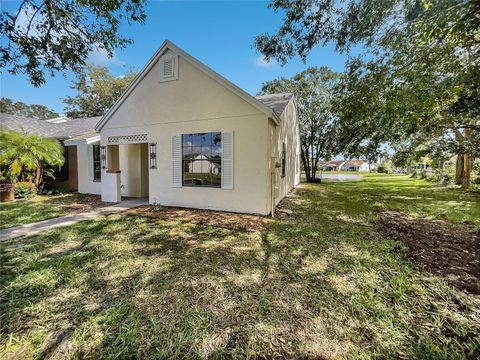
x=318, y=284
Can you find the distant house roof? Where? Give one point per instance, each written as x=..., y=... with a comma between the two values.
x=354, y=163
x=333, y=163
x=276, y=102
x=67, y=129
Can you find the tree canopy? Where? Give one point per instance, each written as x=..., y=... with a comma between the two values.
x=415, y=85
x=54, y=36
x=97, y=90
x=35, y=111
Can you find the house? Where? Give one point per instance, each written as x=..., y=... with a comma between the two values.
x=183, y=135
x=346, y=165
x=63, y=129
x=331, y=165
x=356, y=165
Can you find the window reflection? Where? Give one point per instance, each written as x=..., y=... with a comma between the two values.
x=202, y=159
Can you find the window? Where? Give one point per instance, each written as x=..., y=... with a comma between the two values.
x=202, y=159
x=97, y=168
x=284, y=159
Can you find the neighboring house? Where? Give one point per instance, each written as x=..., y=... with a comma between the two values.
x=73, y=174
x=332, y=165
x=356, y=165
x=182, y=135
x=346, y=165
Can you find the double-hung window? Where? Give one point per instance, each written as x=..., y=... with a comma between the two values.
x=202, y=159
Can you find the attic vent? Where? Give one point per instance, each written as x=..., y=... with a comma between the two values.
x=169, y=68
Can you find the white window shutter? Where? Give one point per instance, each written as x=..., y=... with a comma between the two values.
x=227, y=160
x=90, y=161
x=177, y=161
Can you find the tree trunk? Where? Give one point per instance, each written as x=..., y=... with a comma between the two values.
x=459, y=170
x=467, y=163
x=306, y=166
x=38, y=180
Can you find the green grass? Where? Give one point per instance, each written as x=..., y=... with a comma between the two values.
x=40, y=208
x=321, y=283
x=414, y=197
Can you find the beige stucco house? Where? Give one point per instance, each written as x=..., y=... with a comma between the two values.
x=182, y=135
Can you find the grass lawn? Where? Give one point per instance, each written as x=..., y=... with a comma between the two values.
x=320, y=283
x=43, y=207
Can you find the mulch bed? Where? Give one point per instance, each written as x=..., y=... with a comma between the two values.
x=226, y=220
x=443, y=249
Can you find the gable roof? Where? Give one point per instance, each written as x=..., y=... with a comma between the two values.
x=354, y=163
x=70, y=128
x=199, y=65
x=276, y=102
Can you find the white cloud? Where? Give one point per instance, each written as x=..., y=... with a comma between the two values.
x=262, y=62
x=99, y=57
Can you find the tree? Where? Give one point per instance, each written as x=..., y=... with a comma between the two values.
x=97, y=90
x=420, y=76
x=7, y=106
x=369, y=23
x=21, y=153
x=54, y=36
x=313, y=89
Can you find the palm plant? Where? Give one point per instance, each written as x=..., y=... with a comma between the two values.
x=21, y=153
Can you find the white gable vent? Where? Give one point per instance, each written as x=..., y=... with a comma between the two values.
x=168, y=68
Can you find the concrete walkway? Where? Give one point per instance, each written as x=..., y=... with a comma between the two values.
x=37, y=227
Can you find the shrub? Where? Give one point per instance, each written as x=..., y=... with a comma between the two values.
x=382, y=170
x=25, y=190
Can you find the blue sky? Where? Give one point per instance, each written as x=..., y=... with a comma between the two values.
x=219, y=33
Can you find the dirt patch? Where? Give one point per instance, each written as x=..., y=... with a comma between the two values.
x=83, y=203
x=443, y=249
x=226, y=220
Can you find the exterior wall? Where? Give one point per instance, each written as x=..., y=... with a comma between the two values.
x=86, y=185
x=72, y=168
x=288, y=133
x=71, y=181
x=364, y=167
x=192, y=104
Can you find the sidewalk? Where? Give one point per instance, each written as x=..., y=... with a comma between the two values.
x=35, y=228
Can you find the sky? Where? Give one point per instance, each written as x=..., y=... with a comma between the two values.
x=218, y=33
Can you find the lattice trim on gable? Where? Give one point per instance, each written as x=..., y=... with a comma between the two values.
x=128, y=139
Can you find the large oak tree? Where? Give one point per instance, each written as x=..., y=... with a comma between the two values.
x=313, y=89
x=417, y=81
x=50, y=36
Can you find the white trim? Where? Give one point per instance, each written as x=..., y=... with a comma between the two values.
x=127, y=139
x=220, y=79
x=177, y=170
x=74, y=142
